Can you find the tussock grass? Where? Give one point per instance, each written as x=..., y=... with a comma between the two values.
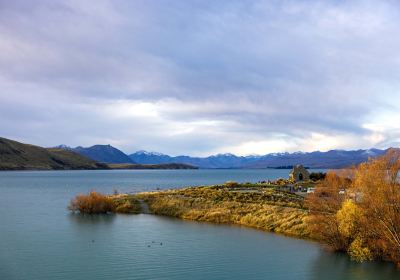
x=251, y=205
x=265, y=208
x=126, y=204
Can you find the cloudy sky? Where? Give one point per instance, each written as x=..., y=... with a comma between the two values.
x=201, y=77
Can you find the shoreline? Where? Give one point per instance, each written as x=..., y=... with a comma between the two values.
x=113, y=167
x=258, y=206
x=274, y=206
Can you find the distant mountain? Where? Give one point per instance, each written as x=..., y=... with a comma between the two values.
x=216, y=161
x=19, y=156
x=144, y=157
x=102, y=153
x=330, y=159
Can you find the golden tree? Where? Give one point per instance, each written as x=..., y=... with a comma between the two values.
x=358, y=211
x=323, y=204
x=377, y=181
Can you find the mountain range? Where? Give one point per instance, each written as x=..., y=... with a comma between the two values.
x=317, y=159
x=323, y=160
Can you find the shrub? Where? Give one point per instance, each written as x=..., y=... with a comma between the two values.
x=324, y=204
x=282, y=182
x=92, y=203
x=231, y=184
x=347, y=218
x=317, y=176
x=358, y=252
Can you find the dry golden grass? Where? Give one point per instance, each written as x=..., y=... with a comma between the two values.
x=264, y=209
x=125, y=204
x=250, y=205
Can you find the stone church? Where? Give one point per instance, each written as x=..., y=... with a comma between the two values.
x=299, y=173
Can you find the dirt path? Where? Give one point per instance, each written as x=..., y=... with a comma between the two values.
x=144, y=208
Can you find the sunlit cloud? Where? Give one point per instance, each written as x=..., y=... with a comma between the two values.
x=201, y=77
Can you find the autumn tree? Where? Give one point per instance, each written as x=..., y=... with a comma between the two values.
x=377, y=181
x=358, y=211
x=323, y=204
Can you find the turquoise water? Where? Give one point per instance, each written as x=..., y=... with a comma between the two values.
x=39, y=239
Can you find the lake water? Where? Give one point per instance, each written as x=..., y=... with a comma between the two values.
x=39, y=239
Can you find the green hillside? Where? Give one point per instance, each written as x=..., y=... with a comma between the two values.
x=19, y=156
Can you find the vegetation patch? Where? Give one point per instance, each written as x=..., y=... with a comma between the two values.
x=92, y=203
x=247, y=204
x=97, y=203
x=358, y=211
x=126, y=204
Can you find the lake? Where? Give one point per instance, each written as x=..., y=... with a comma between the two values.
x=40, y=239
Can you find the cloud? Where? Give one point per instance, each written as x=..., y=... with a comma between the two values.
x=200, y=77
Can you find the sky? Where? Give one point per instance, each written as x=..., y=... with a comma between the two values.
x=201, y=77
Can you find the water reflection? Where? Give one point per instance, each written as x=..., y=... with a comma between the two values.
x=90, y=220
x=347, y=269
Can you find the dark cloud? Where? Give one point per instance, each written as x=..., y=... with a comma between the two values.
x=199, y=77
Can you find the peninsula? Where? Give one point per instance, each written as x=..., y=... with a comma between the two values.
x=354, y=211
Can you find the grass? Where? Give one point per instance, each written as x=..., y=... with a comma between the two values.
x=243, y=204
x=126, y=204
x=260, y=206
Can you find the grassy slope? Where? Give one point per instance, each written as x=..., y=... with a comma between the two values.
x=258, y=207
x=18, y=156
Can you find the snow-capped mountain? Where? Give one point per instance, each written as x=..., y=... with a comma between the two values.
x=329, y=159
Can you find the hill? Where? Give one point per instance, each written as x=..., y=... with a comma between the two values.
x=19, y=156
x=329, y=159
x=103, y=153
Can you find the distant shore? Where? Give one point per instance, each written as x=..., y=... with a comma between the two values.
x=152, y=166
x=167, y=166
